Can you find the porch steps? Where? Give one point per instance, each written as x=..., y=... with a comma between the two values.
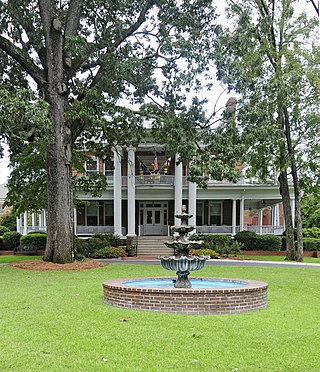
x=153, y=246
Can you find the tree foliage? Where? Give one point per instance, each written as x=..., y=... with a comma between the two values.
x=270, y=56
x=84, y=61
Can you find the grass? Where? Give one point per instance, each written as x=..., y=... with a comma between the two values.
x=56, y=321
x=8, y=259
x=278, y=258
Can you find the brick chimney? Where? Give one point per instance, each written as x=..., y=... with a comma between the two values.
x=231, y=103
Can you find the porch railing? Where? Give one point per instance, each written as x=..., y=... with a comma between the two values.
x=273, y=230
x=154, y=179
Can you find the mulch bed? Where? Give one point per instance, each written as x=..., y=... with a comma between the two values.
x=43, y=265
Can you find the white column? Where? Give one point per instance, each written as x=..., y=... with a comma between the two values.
x=234, y=216
x=177, y=190
x=293, y=206
x=18, y=221
x=25, y=223
x=33, y=220
x=44, y=218
x=192, y=201
x=131, y=193
x=260, y=220
x=40, y=220
x=276, y=215
x=75, y=222
x=242, y=213
x=117, y=189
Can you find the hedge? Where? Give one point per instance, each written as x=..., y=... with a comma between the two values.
x=3, y=230
x=1, y=243
x=212, y=238
x=11, y=240
x=251, y=241
x=38, y=240
x=87, y=247
x=311, y=244
x=248, y=239
x=311, y=232
x=112, y=240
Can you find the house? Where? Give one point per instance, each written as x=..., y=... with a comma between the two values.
x=146, y=189
x=3, y=193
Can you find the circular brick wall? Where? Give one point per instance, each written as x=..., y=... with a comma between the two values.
x=252, y=296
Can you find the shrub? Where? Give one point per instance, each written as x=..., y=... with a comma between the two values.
x=110, y=252
x=268, y=243
x=203, y=252
x=109, y=239
x=311, y=232
x=9, y=220
x=38, y=240
x=212, y=238
x=37, y=232
x=87, y=247
x=1, y=243
x=233, y=248
x=311, y=244
x=3, y=230
x=11, y=240
x=247, y=238
x=217, y=239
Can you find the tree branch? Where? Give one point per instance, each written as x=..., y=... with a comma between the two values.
x=148, y=5
x=73, y=18
x=24, y=60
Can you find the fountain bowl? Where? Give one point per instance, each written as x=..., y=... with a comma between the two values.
x=250, y=296
x=184, y=263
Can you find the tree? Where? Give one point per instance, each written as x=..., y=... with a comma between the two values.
x=82, y=59
x=272, y=60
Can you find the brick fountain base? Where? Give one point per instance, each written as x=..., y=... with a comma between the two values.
x=253, y=296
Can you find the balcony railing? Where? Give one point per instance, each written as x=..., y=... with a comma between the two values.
x=154, y=179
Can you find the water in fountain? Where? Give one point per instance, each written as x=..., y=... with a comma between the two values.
x=182, y=262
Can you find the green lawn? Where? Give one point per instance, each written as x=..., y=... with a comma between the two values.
x=57, y=321
x=8, y=259
x=278, y=258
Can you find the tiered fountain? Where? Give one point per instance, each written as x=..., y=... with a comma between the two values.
x=181, y=295
x=182, y=262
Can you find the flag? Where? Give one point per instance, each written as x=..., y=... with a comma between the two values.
x=143, y=167
x=168, y=162
x=155, y=164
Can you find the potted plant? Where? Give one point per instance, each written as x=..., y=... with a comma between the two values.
x=131, y=250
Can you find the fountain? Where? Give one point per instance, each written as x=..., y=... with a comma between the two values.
x=181, y=262
x=196, y=296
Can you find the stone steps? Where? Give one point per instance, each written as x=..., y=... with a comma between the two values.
x=153, y=246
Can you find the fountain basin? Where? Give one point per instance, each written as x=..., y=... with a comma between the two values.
x=184, y=263
x=238, y=297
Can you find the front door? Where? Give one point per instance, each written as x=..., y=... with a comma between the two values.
x=154, y=218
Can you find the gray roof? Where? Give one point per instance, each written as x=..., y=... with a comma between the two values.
x=3, y=191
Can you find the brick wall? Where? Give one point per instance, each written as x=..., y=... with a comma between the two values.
x=251, y=297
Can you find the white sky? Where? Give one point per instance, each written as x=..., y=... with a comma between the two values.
x=4, y=162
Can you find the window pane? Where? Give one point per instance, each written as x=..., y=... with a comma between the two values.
x=157, y=217
x=215, y=209
x=91, y=166
x=149, y=217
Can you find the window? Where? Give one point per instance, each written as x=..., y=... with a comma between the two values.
x=109, y=214
x=91, y=166
x=92, y=214
x=108, y=168
x=215, y=213
x=199, y=215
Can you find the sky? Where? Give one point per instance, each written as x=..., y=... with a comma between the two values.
x=4, y=162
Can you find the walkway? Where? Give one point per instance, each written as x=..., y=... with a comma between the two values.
x=220, y=262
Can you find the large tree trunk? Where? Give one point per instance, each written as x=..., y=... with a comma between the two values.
x=297, y=194
x=285, y=194
x=60, y=236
